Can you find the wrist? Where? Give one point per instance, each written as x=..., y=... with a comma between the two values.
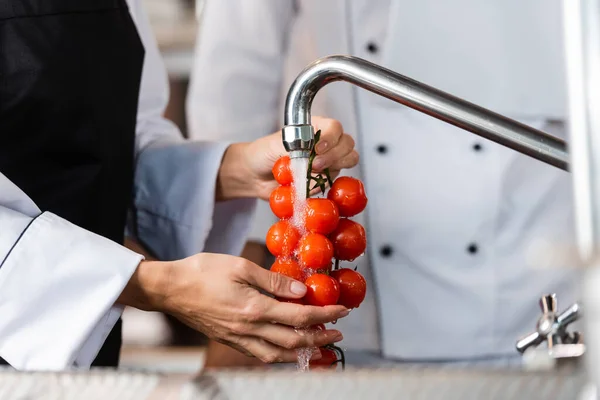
x=234, y=180
x=147, y=288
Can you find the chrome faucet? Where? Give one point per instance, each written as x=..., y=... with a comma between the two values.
x=298, y=133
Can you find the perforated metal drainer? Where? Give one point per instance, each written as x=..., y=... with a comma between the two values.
x=93, y=385
x=397, y=384
x=372, y=384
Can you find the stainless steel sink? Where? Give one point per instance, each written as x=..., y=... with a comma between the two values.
x=364, y=384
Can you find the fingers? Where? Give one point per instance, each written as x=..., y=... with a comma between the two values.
x=274, y=283
x=331, y=133
x=267, y=352
x=348, y=161
x=341, y=156
x=266, y=309
x=297, y=315
x=235, y=347
x=288, y=338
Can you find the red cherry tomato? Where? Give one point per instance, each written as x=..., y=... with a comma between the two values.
x=282, y=202
x=288, y=267
x=314, y=251
x=353, y=287
x=349, y=240
x=321, y=290
x=328, y=360
x=282, y=239
x=321, y=216
x=349, y=195
x=282, y=171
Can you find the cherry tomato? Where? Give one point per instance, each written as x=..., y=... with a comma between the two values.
x=353, y=287
x=349, y=240
x=322, y=290
x=314, y=251
x=321, y=216
x=282, y=171
x=349, y=195
x=282, y=202
x=328, y=360
x=282, y=239
x=288, y=267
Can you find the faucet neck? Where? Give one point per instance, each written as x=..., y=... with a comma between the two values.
x=418, y=96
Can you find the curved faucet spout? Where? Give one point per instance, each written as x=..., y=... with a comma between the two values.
x=298, y=134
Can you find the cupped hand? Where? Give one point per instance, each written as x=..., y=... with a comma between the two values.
x=218, y=295
x=335, y=150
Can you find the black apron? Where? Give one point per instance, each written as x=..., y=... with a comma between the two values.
x=70, y=74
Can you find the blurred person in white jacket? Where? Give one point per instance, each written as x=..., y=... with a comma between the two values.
x=452, y=218
x=83, y=144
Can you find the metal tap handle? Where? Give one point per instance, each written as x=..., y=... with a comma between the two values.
x=569, y=316
x=548, y=303
x=533, y=339
x=551, y=326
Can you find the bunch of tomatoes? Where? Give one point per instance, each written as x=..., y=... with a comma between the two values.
x=311, y=251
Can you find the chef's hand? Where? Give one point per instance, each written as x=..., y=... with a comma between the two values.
x=218, y=296
x=246, y=167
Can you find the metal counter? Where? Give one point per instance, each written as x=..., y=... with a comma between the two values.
x=374, y=384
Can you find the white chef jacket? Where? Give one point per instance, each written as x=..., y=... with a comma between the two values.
x=59, y=282
x=453, y=220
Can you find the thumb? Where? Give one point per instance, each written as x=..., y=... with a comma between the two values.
x=274, y=283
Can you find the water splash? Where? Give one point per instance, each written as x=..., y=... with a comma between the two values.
x=299, y=167
x=304, y=356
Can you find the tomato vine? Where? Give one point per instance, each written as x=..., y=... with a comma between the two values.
x=320, y=180
x=340, y=353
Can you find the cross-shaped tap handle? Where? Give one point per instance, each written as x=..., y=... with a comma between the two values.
x=569, y=316
x=552, y=327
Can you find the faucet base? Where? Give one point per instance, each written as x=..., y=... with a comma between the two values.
x=299, y=154
x=298, y=140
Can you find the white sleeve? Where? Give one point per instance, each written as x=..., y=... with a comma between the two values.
x=58, y=286
x=235, y=87
x=175, y=214
x=236, y=80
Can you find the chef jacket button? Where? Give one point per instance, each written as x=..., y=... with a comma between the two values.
x=477, y=147
x=472, y=248
x=386, y=251
x=382, y=149
x=372, y=48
